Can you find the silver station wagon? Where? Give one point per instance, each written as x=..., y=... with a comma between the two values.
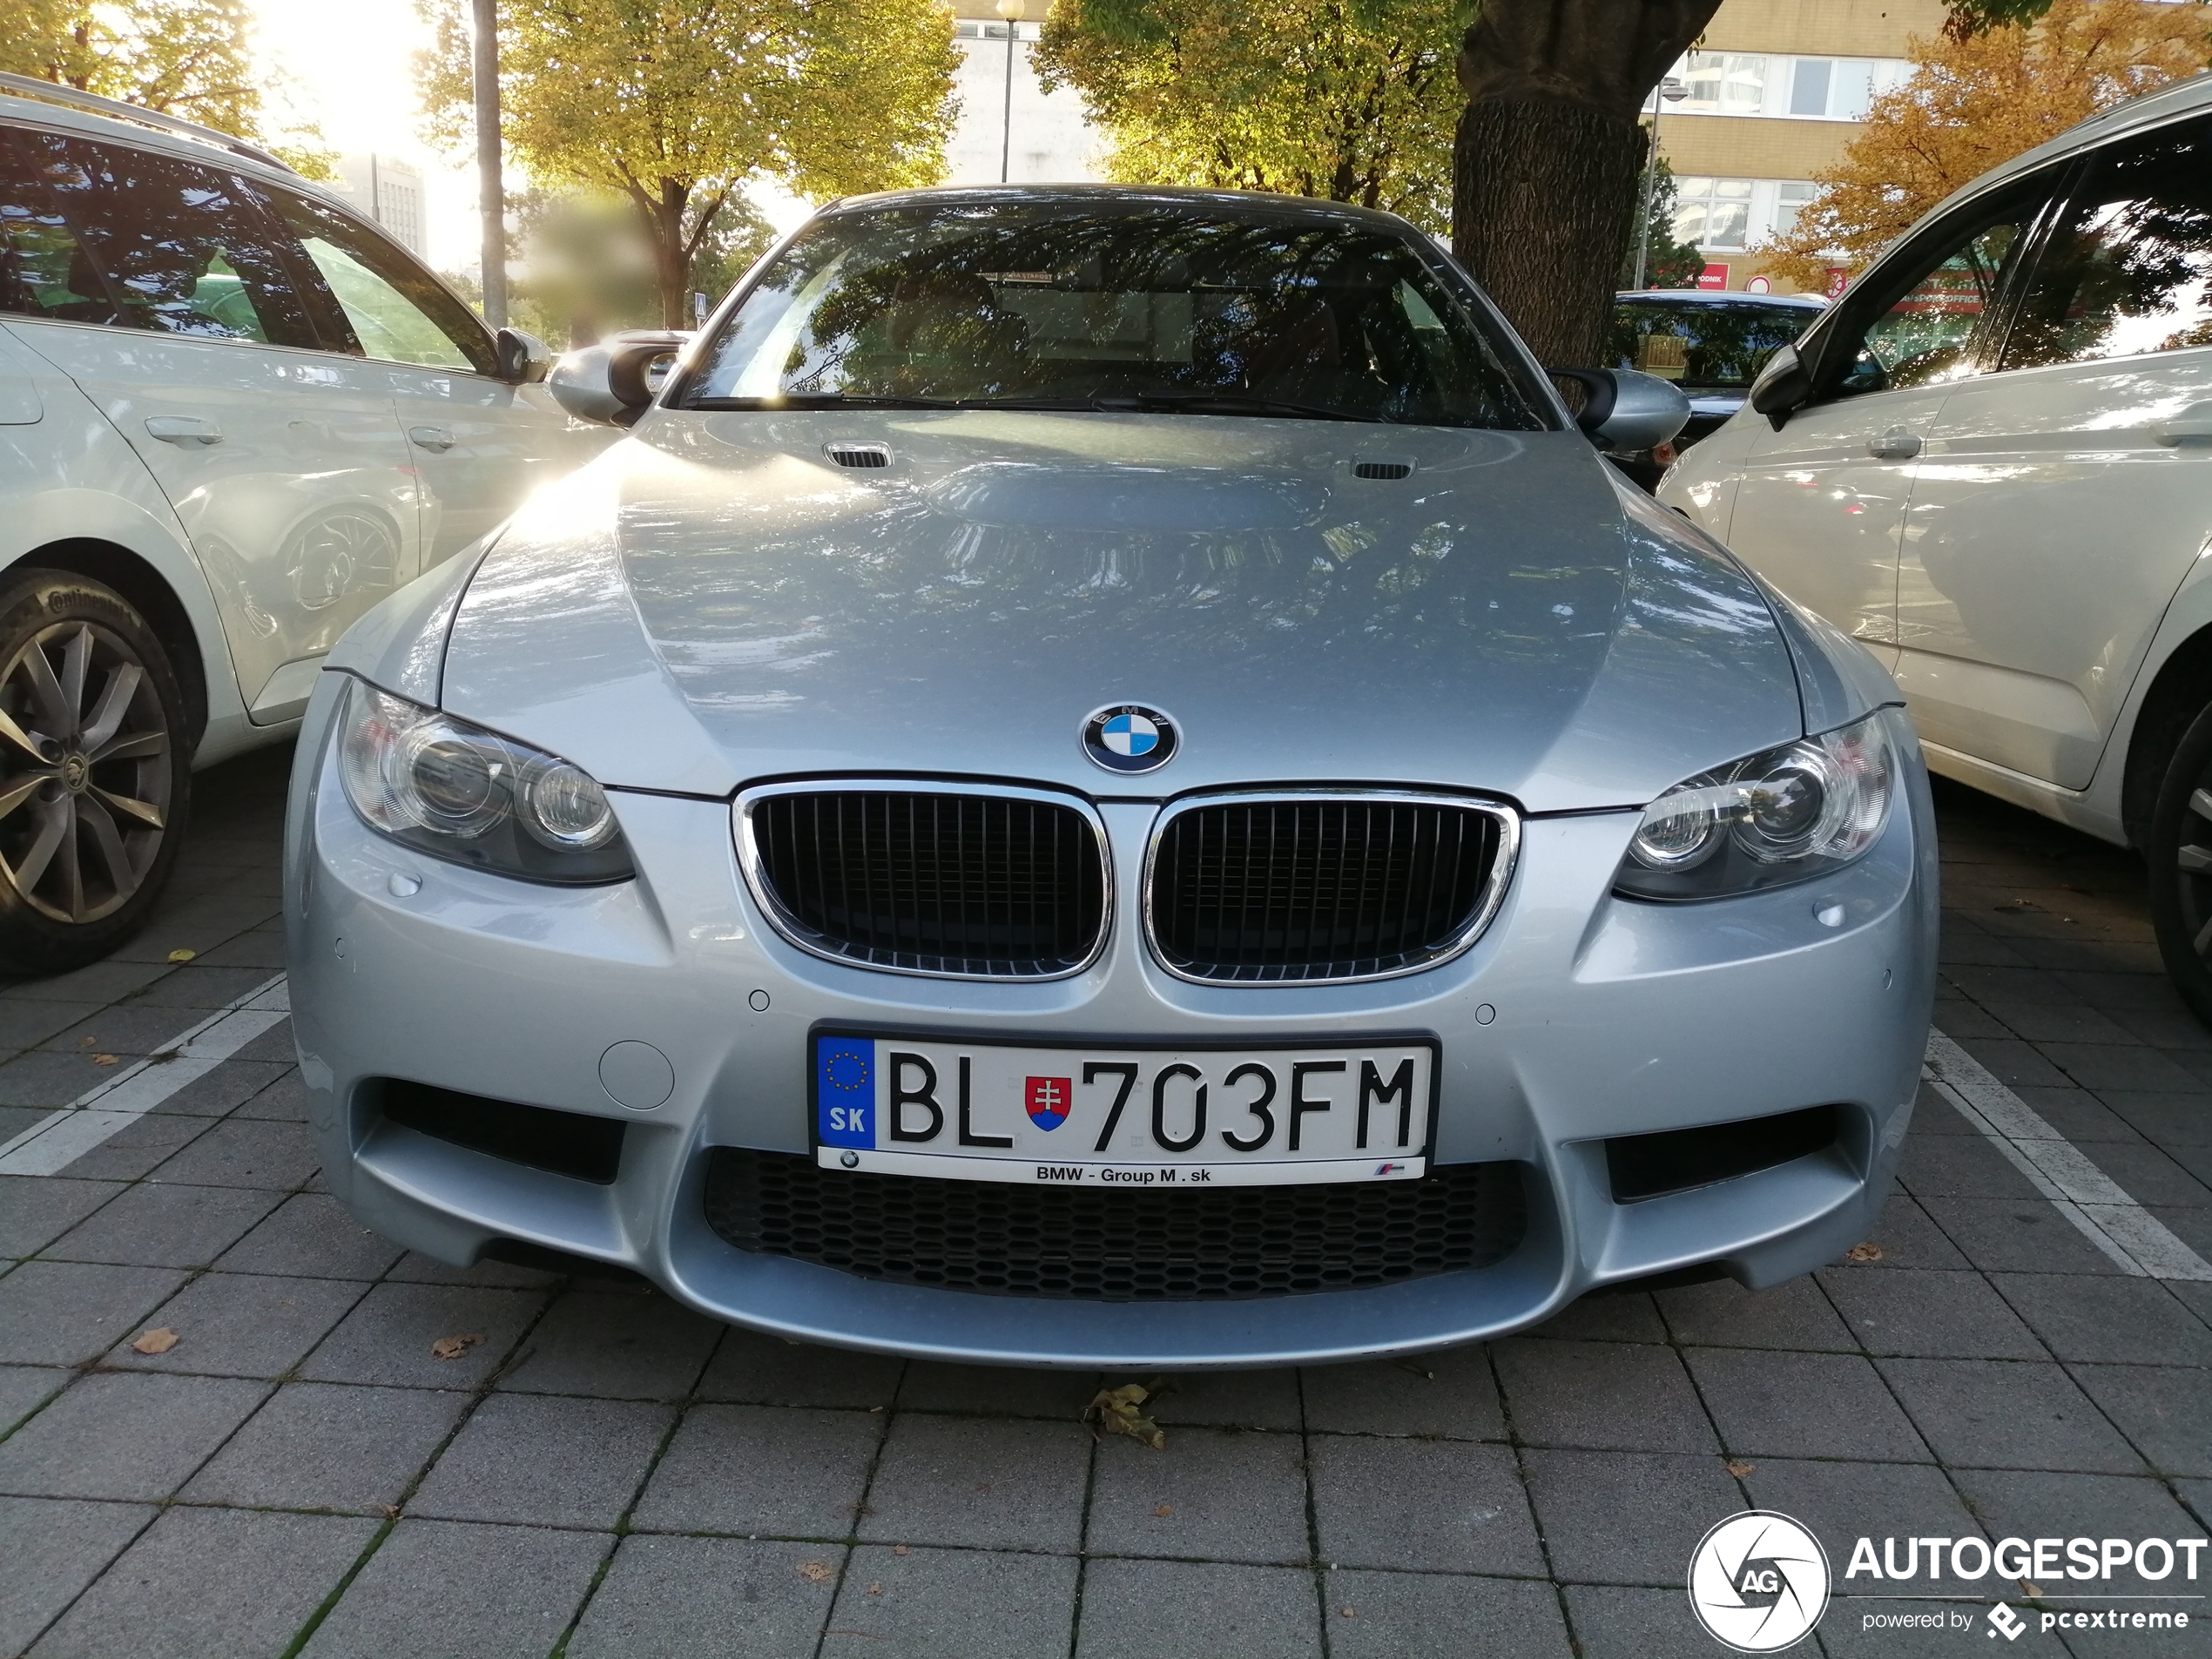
x=1110, y=778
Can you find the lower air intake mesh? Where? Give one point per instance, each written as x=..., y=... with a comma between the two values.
x=1094, y=1245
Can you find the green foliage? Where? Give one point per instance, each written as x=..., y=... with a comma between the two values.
x=186, y=57
x=1970, y=17
x=675, y=105
x=192, y=58
x=1353, y=100
x=1667, y=263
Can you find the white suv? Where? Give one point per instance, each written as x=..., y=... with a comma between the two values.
x=1992, y=463
x=233, y=415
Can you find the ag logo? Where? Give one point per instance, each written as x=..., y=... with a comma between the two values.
x=1758, y=1582
x=1128, y=737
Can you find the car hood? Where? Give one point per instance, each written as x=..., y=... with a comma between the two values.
x=717, y=602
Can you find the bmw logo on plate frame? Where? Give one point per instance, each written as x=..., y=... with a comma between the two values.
x=1129, y=737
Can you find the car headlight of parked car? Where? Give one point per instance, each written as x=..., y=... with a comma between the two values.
x=459, y=792
x=1785, y=815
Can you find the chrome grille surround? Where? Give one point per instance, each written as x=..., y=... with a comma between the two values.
x=1489, y=897
x=752, y=861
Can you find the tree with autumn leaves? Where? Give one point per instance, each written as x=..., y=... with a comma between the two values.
x=1353, y=100
x=193, y=59
x=1976, y=101
x=673, y=107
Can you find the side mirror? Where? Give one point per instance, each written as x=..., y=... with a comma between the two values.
x=614, y=382
x=1628, y=411
x=1783, y=385
x=524, y=359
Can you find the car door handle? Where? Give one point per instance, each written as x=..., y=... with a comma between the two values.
x=433, y=438
x=186, y=429
x=2192, y=425
x=1896, y=444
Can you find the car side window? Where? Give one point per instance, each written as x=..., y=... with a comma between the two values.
x=1929, y=330
x=2128, y=269
x=104, y=233
x=395, y=311
x=44, y=271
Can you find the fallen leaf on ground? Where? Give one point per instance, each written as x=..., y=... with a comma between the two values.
x=2033, y=1592
x=158, y=1340
x=88, y=1043
x=1114, y=1411
x=1164, y=1510
x=899, y=1550
x=105, y=1059
x=1737, y=1468
x=182, y=955
x=1863, y=1253
x=816, y=1572
x=389, y=1511
x=875, y=1589
x=453, y=1347
x=1345, y=1611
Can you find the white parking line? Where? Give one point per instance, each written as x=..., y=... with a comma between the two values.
x=2138, y=1243
x=60, y=1138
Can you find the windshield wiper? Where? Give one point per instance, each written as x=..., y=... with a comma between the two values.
x=824, y=400
x=1233, y=403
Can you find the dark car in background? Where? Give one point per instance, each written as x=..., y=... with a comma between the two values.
x=1710, y=345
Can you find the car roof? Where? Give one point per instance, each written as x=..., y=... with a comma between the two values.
x=1243, y=203
x=65, y=110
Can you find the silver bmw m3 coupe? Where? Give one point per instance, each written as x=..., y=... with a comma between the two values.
x=1106, y=778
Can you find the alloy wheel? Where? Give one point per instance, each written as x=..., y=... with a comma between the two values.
x=85, y=772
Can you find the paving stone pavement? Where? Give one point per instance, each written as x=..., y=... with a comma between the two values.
x=605, y=1473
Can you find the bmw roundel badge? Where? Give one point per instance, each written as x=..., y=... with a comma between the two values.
x=1127, y=737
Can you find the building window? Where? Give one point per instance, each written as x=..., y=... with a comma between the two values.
x=1724, y=82
x=1833, y=88
x=1713, y=213
x=1789, y=197
x=1809, y=87
x=1804, y=89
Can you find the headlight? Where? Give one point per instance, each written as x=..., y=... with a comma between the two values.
x=1788, y=815
x=459, y=792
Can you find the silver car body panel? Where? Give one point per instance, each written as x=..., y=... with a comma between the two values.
x=716, y=603
x=714, y=606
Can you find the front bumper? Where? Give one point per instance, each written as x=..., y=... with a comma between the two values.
x=1598, y=1019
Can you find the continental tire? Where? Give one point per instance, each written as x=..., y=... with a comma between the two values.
x=95, y=785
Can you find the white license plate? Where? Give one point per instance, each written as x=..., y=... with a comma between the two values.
x=1079, y=1115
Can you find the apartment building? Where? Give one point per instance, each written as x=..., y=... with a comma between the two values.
x=391, y=191
x=1772, y=95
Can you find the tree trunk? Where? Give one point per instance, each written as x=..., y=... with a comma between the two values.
x=1542, y=195
x=671, y=258
x=1546, y=164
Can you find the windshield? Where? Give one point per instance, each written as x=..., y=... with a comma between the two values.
x=1719, y=344
x=1062, y=304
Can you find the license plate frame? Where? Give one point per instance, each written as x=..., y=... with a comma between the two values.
x=941, y=1154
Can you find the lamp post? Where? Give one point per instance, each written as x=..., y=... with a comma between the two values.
x=490, y=192
x=1011, y=11
x=1674, y=92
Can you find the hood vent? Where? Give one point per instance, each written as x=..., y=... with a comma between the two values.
x=859, y=455
x=1382, y=469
